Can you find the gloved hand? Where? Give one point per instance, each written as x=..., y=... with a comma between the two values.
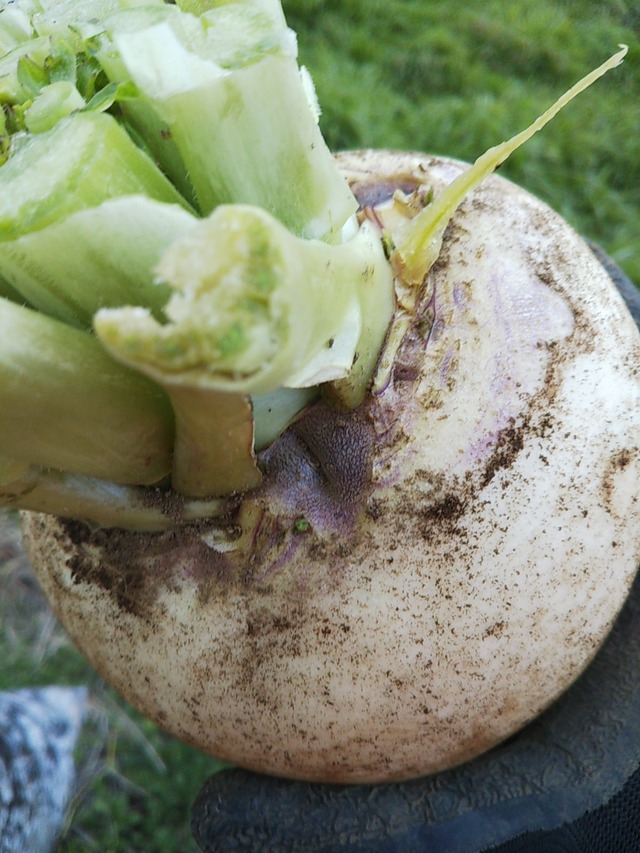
x=570, y=781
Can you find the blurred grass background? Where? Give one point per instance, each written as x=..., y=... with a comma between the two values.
x=407, y=74
x=432, y=76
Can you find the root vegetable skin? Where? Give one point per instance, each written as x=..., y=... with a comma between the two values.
x=414, y=581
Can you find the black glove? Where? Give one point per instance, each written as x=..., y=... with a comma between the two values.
x=570, y=781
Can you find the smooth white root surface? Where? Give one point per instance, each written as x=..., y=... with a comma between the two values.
x=419, y=621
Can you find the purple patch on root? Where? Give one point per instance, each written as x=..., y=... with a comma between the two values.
x=321, y=470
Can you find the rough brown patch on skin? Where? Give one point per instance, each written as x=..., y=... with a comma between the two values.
x=508, y=445
x=342, y=445
x=134, y=568
x=317, y=480
x=616, y=465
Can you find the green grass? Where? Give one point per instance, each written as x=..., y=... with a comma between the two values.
x=409, y=74
x=414, y=74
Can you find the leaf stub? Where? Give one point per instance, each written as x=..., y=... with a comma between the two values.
x=418, y=240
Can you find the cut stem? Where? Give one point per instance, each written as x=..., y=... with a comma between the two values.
x=66, y=404
x=214, y=442
x=95, y=258
x=101, y=502
x=256, y=138
x=256, y=308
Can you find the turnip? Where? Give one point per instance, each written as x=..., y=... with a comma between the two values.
x=360, y=492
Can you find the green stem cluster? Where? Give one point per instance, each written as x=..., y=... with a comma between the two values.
x=126, y=127
x=181, y=270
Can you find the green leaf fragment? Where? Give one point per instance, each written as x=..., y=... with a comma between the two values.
x=32, y=77
x=16, y=66
x=60, y=65
x=112, y=93
x=90, y=78
x=85, y=159
x=54, y=102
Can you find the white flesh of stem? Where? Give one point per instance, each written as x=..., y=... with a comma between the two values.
x=255, y=308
